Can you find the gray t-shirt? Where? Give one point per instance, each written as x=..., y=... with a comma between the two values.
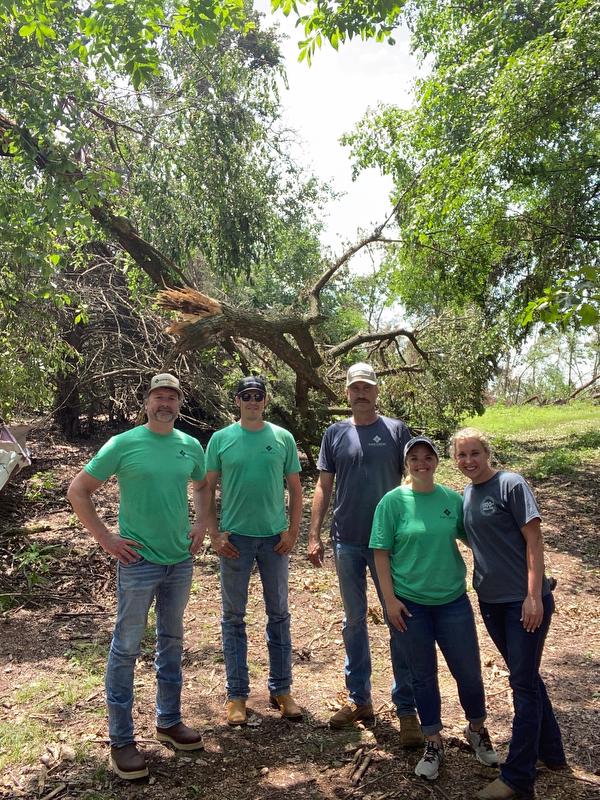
x=495, y=512
x=367, y=462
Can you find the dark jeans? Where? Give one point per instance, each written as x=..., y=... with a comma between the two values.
x=452, y=626
x=535, y=731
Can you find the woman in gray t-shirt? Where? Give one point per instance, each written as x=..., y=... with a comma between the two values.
x=503, y=526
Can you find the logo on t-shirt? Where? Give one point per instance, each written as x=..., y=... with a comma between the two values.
x=268, y=447
x=488, y=506
x=182, y=454
x=376, y=441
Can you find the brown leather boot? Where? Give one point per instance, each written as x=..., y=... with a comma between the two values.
x=411, y=734
x=128, y=762
x=351, y=713
x=236, y=711
x=181, y=737
x=287, y=705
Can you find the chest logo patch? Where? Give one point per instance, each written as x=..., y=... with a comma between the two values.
x=487, y=506
x=268, y=448
x=182, y=454
x=376, y=441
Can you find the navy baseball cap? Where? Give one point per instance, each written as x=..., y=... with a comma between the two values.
x=420, y=440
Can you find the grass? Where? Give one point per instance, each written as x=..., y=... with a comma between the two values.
x=543, y=441
x=509, y=420
x=22, y=743
x=540, y=442
x=47, y=695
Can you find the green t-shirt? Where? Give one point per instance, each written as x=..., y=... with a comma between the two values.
x=420, y=531
x=252, y=465
x=153, y=472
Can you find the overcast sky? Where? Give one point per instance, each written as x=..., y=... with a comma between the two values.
x=326, y=100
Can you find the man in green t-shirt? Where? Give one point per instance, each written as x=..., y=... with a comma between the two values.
x=153, y=464
x=252, y=458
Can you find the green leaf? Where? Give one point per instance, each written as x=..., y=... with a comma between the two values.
x=27, y=29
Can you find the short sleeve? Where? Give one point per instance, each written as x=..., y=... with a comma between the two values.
x=292, y=462
x=522, y=503
x=106, y=461
x=213, y=455
x=382, y=530
x=326, y=462
x=199, y=471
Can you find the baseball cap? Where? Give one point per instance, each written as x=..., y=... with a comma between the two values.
x=251, y=382
x=165, y=381
x=420, y=440
x=361, y=372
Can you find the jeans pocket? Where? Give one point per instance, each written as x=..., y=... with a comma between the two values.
x=141, y=560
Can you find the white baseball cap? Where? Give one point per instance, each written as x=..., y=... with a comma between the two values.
x=361, y=372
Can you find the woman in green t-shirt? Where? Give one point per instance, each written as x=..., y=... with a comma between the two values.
x=422, y=577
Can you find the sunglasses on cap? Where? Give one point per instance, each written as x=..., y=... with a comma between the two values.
x=246, y=397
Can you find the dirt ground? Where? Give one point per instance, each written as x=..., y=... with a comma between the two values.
x=70, y=619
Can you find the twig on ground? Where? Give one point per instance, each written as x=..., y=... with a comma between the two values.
x=57, y=790
x=361, y=769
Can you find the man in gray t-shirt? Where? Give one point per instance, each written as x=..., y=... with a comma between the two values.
x=362, y=457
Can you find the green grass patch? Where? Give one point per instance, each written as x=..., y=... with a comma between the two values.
x=558, y=461
x=47, y=695
x=21, y=743
x=509, y=420
x=89, y=657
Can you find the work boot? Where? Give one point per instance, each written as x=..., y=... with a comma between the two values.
x=411, y=734
x=128, y=762
x=482, y=745
x=181, y=737
x=498, y=790
x=236, y=711
x=287, y=706
x=351, y=713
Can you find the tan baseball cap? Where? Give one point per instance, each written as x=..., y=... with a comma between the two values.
x=165, y=381
x=361, y=372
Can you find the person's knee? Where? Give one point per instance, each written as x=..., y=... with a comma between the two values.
x=279, y=618
x=232, y=618
x=127, y=647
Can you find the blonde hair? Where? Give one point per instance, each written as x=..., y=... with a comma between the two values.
x=470, y=433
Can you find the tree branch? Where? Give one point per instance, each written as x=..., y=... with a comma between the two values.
x=381, y=336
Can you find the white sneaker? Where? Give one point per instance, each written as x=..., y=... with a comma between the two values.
x=481, y=743
x=433, y=758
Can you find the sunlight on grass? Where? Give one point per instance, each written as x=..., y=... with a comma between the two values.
x=46, y=694
x=522, y=419
x=22, y=743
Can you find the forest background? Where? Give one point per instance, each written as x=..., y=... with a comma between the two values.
x=146, y=173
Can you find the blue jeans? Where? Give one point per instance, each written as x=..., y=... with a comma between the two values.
x=351, y=563
x=452, y=626
x=235, y=577
x=535, y=731
x=138, y=584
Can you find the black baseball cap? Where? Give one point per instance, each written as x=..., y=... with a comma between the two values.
x=251, y=382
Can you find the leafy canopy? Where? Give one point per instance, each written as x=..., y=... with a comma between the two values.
x=120, y=35
x=500, y=157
